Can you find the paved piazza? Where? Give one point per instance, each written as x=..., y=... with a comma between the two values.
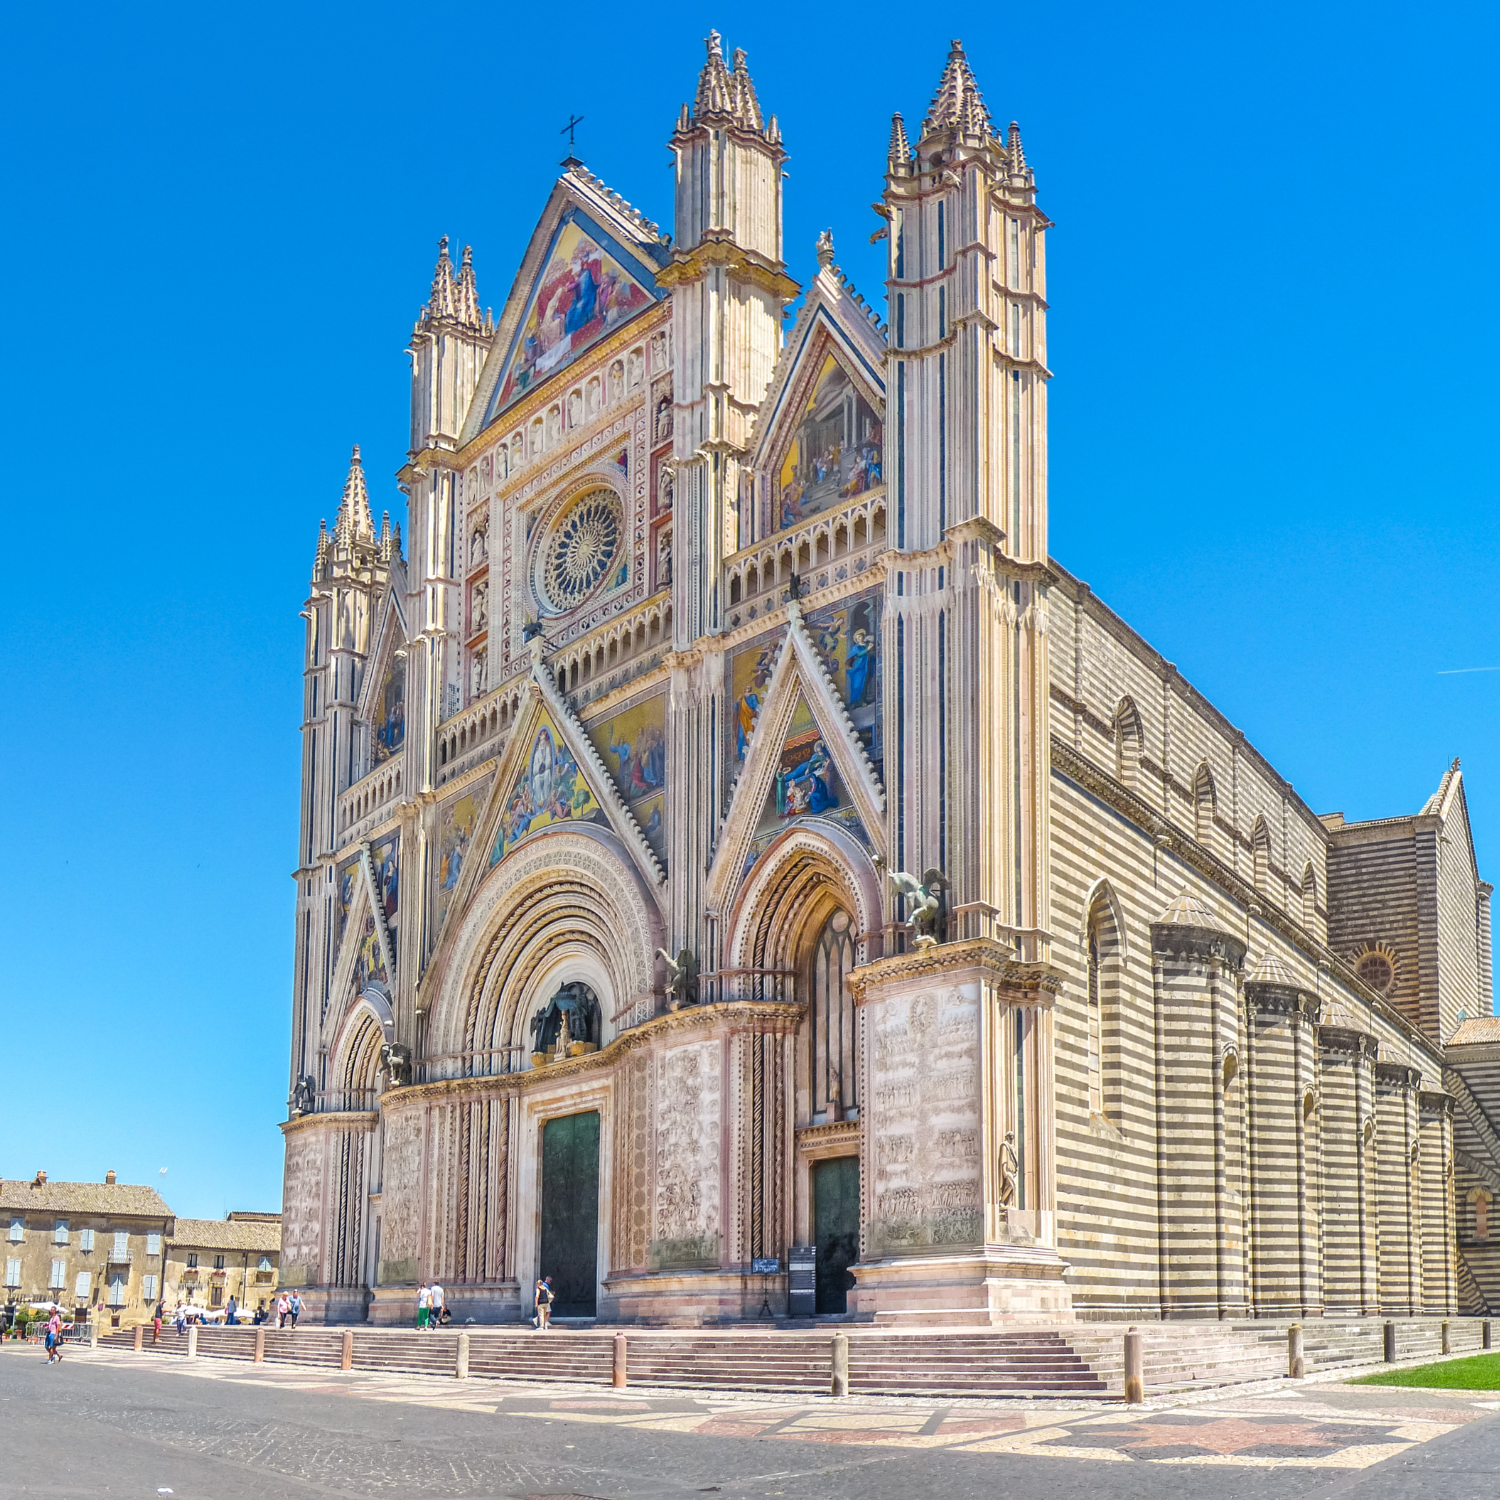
x=115, y=1424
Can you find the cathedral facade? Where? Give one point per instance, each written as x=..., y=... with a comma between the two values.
x=731, y=843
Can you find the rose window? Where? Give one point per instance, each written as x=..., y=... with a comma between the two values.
x=582, y=549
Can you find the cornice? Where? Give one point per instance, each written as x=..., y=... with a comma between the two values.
x=724, y=254
x=1359, y=1044
x=1283, y=1000
x=768, y=1017
x=1015, y=982
x=1434, y=1102
x=1397, y=1075
x=831, y=1132
x=333, y=1120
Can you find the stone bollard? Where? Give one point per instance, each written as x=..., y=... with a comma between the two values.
x=1444, y=1331
x=346, y=1359
x=260, y=1346
x=461, y=1359
x=1390, y=1343
x=619, y=1380
x=140, y=1336
x=840, y=1383
x=1135, y=1368
x=192, y=1341
x=1296, y=1365
x=1484, y=1334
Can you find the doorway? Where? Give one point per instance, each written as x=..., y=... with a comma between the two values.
x=570, y=1213
x=835, y=1195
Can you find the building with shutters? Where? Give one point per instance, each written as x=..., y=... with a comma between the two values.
x=85, y=1244
x=725, y=827
x=211, y=1260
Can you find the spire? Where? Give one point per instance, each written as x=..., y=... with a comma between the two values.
x=440, y=304
x=466, y=299
x=354, y=519
x=721, y=92
x=1013, y=149
x=958, y=104
x=320, y=558
x=900, y=152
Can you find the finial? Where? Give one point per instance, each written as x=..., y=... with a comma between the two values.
x=958, y=105
x=825, y=249
x=1013, y=147
x=713, y=41
x=900, y=150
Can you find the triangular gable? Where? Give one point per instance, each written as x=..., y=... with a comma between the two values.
x=1453, y=802
x=545, y=788
x=804, y=761
x=382, y=698
x=368, y=897
x=590, y=266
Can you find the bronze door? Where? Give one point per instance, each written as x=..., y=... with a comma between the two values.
x=570, y=1213
x=835, y=1187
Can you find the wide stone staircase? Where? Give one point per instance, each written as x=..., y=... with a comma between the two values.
x=1079, y=1360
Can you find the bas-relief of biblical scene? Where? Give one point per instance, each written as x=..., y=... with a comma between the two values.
x=583, y=293
x=549, y=789
x=836, y=452
x=925, y=1127
x=633, y=745
x=457, y=821
x=390, y=727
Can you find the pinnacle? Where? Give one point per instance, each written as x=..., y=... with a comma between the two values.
x=440, y=305
x=455, y=297
x=900, y=149
x=958, y=105
x=354, y=520
x=721, y=92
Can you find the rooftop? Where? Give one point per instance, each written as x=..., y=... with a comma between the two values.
x=227, y=1234
x=111, y=1199
x=1480, y=1029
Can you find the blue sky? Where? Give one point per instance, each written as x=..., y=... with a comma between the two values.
x=1273, y=433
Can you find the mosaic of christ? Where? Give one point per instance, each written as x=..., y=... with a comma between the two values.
x=583, y=293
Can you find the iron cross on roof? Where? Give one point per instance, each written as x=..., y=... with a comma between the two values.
x=574, y=121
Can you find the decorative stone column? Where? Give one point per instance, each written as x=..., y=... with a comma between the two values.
x=1435, y=1200
x=959, y=1185
x=1350, y=1276
x=1397, y=1180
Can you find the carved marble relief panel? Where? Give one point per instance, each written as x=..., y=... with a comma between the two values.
x=689, y=1114
x=302, y=1215
x=400, y=1189
x=924, y=1122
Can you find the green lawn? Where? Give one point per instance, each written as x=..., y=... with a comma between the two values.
x=1480, y=1372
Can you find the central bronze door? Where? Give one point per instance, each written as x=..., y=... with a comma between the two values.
x=570, y=1213
x=835, y=1194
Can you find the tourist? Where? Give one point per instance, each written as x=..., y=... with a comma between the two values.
x=281, y=1310
x=437, y=1306
x=543, y=1319
x=181, y=1319
x=294, y=1307
x=424, y=1305
x=54, y=1338
x=156, y=1324
x=230, y=1321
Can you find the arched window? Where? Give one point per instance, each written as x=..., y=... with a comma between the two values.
x=1481, y=1215
x=1128, y=737
x=835, y=1076
x=1260, y=846
x=1095, y=1054
x=1105, y=950
x=1309, y=896
x=1205, y=806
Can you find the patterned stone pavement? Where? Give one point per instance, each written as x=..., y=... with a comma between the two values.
x=591, y=1440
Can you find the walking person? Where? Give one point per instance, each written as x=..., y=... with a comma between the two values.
x=156, y=1324
x=54, y=1338
x=230, y=1320
x=281, y=1310
x=437, y=1305
x=294, y=1307
x=424, y=1305
x=543, y=1303
x=181, y=1320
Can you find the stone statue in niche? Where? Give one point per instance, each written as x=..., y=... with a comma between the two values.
x=478, y=547
x=554, y=425
x=569, y=1019
x=635, y=367
x=486, y=470
x=591, y=397
x=1010, y=1170
x=666, y=484
x=502, y=462
x=476, y=675
x=664, y=557
x=658, y=351
x=481, y=610
x=575, y=408
x=662, y=420
x=616, y=381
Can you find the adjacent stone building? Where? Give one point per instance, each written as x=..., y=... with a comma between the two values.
x=729, y=829
x=211, y=1260
x=85, y=1244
